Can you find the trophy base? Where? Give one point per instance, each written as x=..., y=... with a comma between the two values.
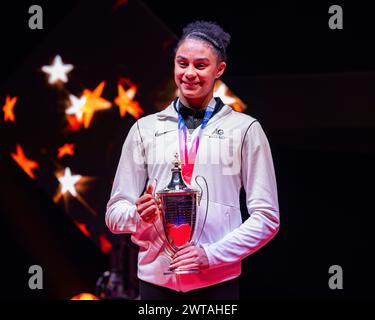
x=182, y=271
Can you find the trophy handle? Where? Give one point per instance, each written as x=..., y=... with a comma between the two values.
x=154, y=184
x=199, y=201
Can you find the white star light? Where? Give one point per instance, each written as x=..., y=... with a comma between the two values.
x=76, y=106
x=68, y=181
x=57, y=71
x=220, y=92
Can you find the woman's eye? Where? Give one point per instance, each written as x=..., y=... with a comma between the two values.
x=182, y=64
x=201, y=65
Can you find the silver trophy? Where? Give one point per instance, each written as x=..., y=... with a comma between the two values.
x=178, y=214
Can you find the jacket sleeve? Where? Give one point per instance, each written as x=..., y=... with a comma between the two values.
x=258, y=178
x=121, y=215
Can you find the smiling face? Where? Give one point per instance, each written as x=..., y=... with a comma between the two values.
x=196, y=69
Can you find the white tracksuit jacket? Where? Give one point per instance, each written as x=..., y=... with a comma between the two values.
x=233, y=152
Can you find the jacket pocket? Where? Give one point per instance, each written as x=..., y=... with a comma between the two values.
x=217, y=223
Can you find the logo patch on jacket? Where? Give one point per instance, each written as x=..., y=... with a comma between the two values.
x=217, y=133
x=160, y=133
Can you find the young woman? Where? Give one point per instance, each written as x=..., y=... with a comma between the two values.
x=226, y=147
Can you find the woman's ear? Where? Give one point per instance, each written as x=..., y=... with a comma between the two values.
x=220, y=70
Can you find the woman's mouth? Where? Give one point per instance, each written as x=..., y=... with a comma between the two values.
x=190, y=84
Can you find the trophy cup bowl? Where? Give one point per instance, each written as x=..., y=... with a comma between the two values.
x=178, y=210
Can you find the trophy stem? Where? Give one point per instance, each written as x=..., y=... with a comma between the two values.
x=169, y=249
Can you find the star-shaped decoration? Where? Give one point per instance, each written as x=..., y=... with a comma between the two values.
x=8, y=108
x=125, y=101
x=66, y=149
x=57, y=71
x=105, y=245
x=73, y=123
x=93, y=103
x=83, y=228
x=26, y=164
x=84, y=296
x=76, y=106
x=68, y=182
x=221, y=93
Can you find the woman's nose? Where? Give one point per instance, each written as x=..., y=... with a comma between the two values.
x=190, y=73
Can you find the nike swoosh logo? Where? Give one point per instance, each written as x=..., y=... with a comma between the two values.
x=158, y=134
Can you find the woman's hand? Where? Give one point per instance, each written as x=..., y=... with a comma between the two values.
x=148, y=206
x=190, y=257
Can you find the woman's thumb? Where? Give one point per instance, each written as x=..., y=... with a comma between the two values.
x=149, y=189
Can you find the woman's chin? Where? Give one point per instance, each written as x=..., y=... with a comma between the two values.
x=190, y=93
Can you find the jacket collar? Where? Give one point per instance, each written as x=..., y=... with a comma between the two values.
x=169, y=113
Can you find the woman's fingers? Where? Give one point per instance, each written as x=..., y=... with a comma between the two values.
x=150, y=214
x=182, y=251
x=149, y=210
x=183, y=263
x=144, y=198
x=190, y=255
x=185, y=256
x=188, y=266
x=149, y=189
x=145, y=205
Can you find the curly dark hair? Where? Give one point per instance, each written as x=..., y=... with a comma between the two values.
x=209, y=32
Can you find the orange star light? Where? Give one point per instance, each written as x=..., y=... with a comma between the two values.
x=66, y=149
x=26, y=164
x=85, y=296
x=8, y=108
x=93, y=103
x=125, y=101
x=227, y=96
x=74, y=124
x=83, y=228
x=105, y=245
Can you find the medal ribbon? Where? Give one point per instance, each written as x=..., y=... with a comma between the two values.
x=188, y=157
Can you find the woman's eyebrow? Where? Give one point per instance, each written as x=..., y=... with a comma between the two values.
x=197, y=59
x=202, y=59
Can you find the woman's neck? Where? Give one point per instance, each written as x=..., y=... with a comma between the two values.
x=196, y=104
